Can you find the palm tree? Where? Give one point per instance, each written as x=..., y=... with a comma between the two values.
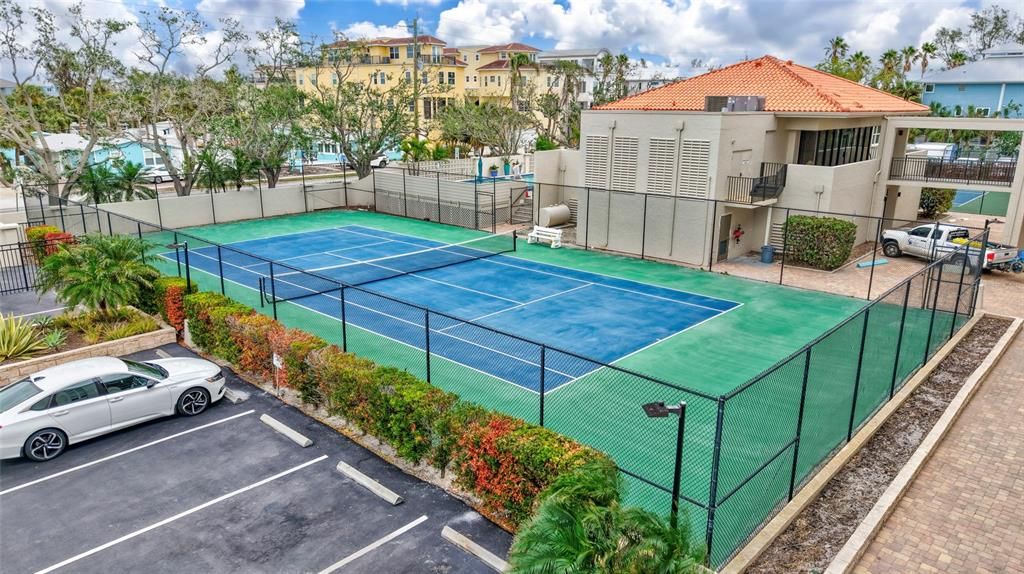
x=582, y=527
x=211, y=171
x=889, y=71
x=516, y=64
x=860, y=66
x=909, y=56
x=129, y=183
x=836, y=50
x=910, y=91
x=957, y=59
x=928, y=50
x=102, y=273
x=97, y=183
x=239, y=168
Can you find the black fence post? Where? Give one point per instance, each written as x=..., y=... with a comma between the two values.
x=931, y=322
x=713, y=488
x=785, y=245
x=139, y=228
x=24, y=267
x=81, y=211
x=874, y=255
x=856, y=380
x=42, y=210
x=959, y=289
x=643, y=230
x=899, y=340
x=259, y=189
x=543, y=369
x=60, y=207
x=344, y=180
x=188, y=271
x=405, y=196
x=159, y=212
x=476, y=204
x=99, y=222
x=344, y=323
x=110, y=226
x=714, y=227
x=799, y=422
x=678, y=470
x=220, y=268
x=426, y=343
x=438, y=174
x=273, y=291
x=373, y=184
x=213, y=206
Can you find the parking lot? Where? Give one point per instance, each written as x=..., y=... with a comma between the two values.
x=223, y=492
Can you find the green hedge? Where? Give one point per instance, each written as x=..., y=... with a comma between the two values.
x=504, y=461
x=819, y=242
x=935, y=201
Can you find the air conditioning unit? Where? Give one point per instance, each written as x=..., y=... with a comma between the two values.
x=733, y=103
x=716, y=103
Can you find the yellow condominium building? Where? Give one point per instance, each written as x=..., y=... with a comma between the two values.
x=489, y=70
x=384, y=62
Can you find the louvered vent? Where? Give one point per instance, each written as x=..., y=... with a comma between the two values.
x=624, y=163
x=597, y=162
x=693, y=168
x=661, y=161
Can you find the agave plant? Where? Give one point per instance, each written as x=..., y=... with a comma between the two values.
x=18, y=338
x=55, y=338
x=44, y=322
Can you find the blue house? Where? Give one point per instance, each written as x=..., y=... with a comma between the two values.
x=988, y=84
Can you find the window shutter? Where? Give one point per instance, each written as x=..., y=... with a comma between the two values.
x=661, y=161
x=624, y=163
x=694, y=158
x=596, y=162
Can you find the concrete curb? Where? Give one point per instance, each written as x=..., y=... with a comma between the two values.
x=854, y=548
x=369, y=483
x=287, y=431
x=749, y=553
x=485, y=555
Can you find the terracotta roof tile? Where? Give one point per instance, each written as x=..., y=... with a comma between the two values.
x=513, y=47
x=787, y=87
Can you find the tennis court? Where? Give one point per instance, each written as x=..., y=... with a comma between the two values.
x=467, y=285
x=993, y=203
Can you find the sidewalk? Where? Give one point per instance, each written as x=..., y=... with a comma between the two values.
x=965, y=511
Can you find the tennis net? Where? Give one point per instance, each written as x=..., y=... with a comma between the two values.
x=294, y=285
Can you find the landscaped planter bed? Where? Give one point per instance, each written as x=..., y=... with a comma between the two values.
x=817, y=533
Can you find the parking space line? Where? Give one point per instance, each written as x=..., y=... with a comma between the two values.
x=371, y=547
x=180, y=515
x=122, y=453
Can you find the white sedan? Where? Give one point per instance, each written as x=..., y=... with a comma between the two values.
x=42, y=414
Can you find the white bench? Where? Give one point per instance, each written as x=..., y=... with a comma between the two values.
x=545, y=234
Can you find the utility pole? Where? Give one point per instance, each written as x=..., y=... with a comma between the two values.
x=416, y=75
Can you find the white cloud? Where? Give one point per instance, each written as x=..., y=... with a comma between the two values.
x=407, y=2
x=358, y=30
x=716, y=31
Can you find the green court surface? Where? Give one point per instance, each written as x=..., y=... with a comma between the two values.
x=994, y=203
x=603, y=408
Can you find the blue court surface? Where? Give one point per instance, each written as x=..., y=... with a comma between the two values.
x=585, y=314
x=964, y=197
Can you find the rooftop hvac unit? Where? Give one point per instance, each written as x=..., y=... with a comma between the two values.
x=716, y=103
x=734, y=103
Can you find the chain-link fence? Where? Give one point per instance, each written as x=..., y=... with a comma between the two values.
x=743, y=453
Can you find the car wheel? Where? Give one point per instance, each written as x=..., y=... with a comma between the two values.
x=891, y=249
x=383, y=163
x=46, y=444
x=193, y=401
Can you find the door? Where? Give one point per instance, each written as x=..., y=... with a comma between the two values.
x=132, y=401
x=81, y=410
x=741, y=163
x=724, y=231
x=918, y=242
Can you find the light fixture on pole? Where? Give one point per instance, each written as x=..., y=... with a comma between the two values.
x=660, y=410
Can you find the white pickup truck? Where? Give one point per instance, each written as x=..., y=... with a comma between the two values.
x=935, y=240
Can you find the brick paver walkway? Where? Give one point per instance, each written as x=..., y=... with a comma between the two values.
x=965, y=511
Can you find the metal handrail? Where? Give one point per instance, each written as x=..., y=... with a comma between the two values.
x=967, y=171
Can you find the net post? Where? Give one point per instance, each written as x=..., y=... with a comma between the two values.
x=785, y=245
x=899, y=340
x=799, y=422
x=177, y=253
x=273, y=290
x=643, y=230
x=874, y=255
x=713, y=488
x=220, y=268
x=344, y=323
x=426, y=339
x=515, y=240
x=931, y=321
x=139, y=229
x=543, y=369
x=856, y=380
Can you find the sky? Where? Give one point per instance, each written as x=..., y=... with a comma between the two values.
x=668, y=34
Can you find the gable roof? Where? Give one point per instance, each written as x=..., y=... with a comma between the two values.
x=512, y=47
x=993, y=69
x=787, y=87
x=423, y=39
x=506, y=65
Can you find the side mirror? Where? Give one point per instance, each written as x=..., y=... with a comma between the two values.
x=151, y=384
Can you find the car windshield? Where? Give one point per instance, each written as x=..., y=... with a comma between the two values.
x=148, y=369
x=17, y=393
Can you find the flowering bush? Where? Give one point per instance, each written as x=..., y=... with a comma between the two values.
x=207, y=315
x=54, y=240
x=252, y=333
x=293, y=346
x=167, y=298
x=36, y=236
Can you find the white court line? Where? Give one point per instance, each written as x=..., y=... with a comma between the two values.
x=375, y=545
x=40, y=312
x=122, y=453
x=475, y=319
x=178, y=516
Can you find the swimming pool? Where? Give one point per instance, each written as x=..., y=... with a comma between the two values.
x=526, y=177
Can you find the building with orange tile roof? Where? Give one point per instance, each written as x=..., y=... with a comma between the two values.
x=717, y=161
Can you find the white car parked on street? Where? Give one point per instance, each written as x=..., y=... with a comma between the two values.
x=42, y=414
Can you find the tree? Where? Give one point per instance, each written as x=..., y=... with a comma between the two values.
x=102, y=272
x=859, y=66
x=129, y=183
x=209, y=170
x=989, y=26
x=949, y=41
x=836, y=50
x=910, y=56
x=928, y=51
x=559, y=106
x=908, y=90
x=189, y=104
x=957, y=59
x=415, y=149
x=935, y=201
x=610, y=82
x=96, y=183
x=1008, y=143
x=496, y=126
x=238, y=167
x=889, y=72
x=582, y=527
x=29, y=51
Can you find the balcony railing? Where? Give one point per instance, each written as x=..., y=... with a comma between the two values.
x=756, y=189
x=373, y=60
x=964, y=171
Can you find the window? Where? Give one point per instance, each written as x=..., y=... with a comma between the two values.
x=503, y=56
x=929, y=88
x=474, y=78
x=75, y=393
x=836, y=147
x=148, y=369
x=467, y=78
x=499, y=80
x=334, y=78
x=393, y=52
x=426, y=77
x=302, y=79
x=921, y=231
x=451, y=78
x=120, y=383
x=485, y=81
x=312, y=80
x=17, y=393
x=440, y=78
x=151, y=158
x=476, y=57
x=412, y=106
x=983, y=112
x=373, y=78
x=408, y=51
x=937, y=233
x=408, y=76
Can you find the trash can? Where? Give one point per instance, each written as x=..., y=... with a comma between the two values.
x=767, y=253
